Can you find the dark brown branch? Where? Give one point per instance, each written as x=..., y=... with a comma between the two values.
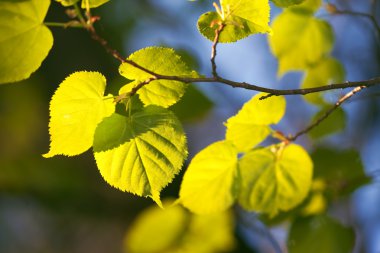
x=218, y=79
x=327, y=113
x=218, y=31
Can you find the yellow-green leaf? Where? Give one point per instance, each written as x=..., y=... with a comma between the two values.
x=325, y=72
x=157, y=230
x=241, y=18
x=174, y=230
x=93, y=3
x=210, y=182
x=286, y=3
x=273, y=179
x=146, y=154
x=24, y=40
x=250, y=125
x=300, y=40
x=308, y=5
x=163, y=61
x=67, y=2
x=76, y=108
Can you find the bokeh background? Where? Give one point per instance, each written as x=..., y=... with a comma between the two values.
x=62, y=204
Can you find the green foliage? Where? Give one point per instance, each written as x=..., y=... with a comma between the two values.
x=143, y=153
x=329, y=126
x=287, y=3
x=67, y=2
x=175, y=230
x=140, y=146
x=76, y=108
x=302, y=44
x=193, y=106
x=211, y=181
x=325, y=72
x=275, y=178
x=93, y=3
x=90, y=3
x=250, y=125
x=320, y=234
x=343, y=174
x=160, y=60
x=241, y=19
x=25, y=40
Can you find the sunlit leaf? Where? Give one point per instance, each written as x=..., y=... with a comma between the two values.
x=93, y=3
x=67, y=2
x=250, y=125
x=242, y=18
x=274, y=180
x=148, y=150
x=76, y=108
x=287, y=3
x=162, y=61
x=210, y=182
x=320, y=234
x=308, y=5
x=24, y=40
x=175, y=230
x=325, y=72
x=300, y=40
x=336, y=122
x=157, y=230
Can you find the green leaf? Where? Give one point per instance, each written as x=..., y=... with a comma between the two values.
x=174, y=230
x=286, y=3
x=273, y=179
x=299, y=40
x=210, y=182
x=149, y=150
x=76, y=108
x=118, y=129
x=25, y=40
x=193, y=106
x=343, y=174
x=308, y=5
x=332, y=124
x=163, y=61
x=93, y=3
x=157, y=230
x=325, y=72
x=242, y=18
x=250, y=125
x=320, y=234
x=67, y=2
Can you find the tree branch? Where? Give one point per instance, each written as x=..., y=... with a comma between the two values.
x=217, y=78
x=327, y=113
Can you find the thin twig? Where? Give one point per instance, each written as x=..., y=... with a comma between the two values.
x=218, y=31
x=360, y=14
x=327, y=113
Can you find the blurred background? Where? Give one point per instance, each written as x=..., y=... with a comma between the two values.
x=62, y=204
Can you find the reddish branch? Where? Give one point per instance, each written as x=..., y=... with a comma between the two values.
x=218, y=31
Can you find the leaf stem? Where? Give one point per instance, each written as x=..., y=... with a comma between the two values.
x=218, y=31
x=80, y=16
x=72, y=24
